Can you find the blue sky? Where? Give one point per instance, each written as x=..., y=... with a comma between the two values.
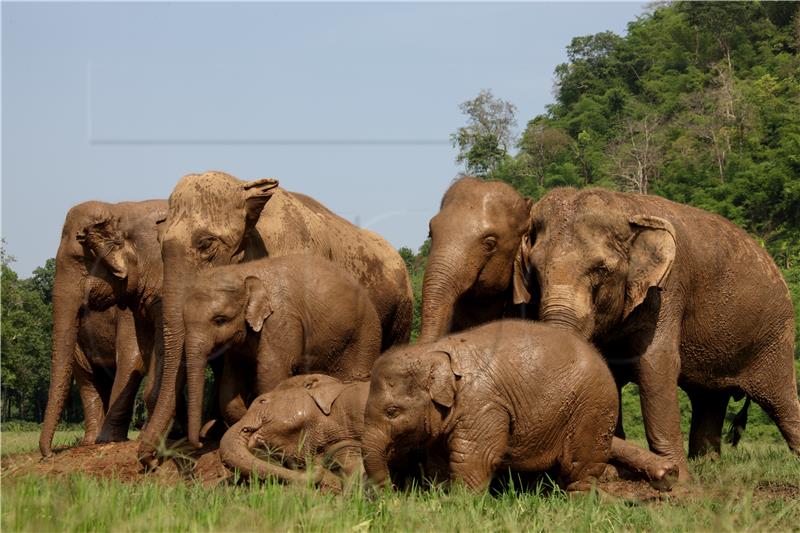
x=352, y=103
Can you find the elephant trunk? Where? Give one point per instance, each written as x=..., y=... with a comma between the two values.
x=441, y=289
x=196, y=360
x=67, y=301
x=175, y=279
x=374, y=452
x=234, y=451
x=559, y=307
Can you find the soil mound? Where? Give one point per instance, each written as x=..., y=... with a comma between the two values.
x=118, y=460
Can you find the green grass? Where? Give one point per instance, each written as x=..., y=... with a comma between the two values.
x=755, y=487
x=12, y=442
x=735, y=495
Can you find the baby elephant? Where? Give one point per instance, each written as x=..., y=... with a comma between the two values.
x=510, y=394
x=305, y=416
x=274, y=318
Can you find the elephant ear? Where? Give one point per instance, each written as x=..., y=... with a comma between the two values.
x=324, y=394
x=442, y=379
x=257, y=308
x=651, y=255
x=256, y=195
x=521, y=271
x=161, y=226
x=107, y=242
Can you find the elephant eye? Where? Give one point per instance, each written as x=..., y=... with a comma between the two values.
x=490, y=243
x=219, y=320
x=392, y=411
x=248, y=430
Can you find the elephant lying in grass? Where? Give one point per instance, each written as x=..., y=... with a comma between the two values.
x=305, y=416
x=271, y=319
x=511, y=394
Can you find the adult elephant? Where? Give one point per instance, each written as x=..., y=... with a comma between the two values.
x=473, y=273
x=672, y=295
x=108, y=257
x=216, y=219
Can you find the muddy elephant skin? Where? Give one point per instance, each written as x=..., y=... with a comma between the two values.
x=274, y=318
x=672, y=295
x=310, y=416
x=473, y=273
x=215, y=219
x=108, y=256
x=511, y=394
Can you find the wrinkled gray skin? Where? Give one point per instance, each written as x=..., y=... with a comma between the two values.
x=510, y=394
x=310, y=416
x=473, y=273
x=215, y=219
x=108, y=256
x=271, y=319
x=671, y=295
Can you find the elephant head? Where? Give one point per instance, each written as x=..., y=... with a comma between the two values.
x=219, y=309
x=475, y=260
x=596, y=257
x=289, y=420
x=98, y=265
x=210, y=222
x=412, y=392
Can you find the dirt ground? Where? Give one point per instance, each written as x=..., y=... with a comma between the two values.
x=118, y=461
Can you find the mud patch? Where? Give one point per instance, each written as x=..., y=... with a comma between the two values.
x=118, y=460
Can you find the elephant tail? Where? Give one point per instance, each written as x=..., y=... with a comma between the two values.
x=738, y=424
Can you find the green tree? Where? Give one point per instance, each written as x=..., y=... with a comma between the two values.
x=486, y=139
x=25, y=345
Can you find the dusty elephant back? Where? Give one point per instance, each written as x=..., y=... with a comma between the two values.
x=366, y=256
x=534, y=362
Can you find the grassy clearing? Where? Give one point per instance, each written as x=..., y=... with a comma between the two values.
x=755, y=487
x=12, y=442
x=751, y=488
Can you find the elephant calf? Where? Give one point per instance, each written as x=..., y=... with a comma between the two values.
x=275, y=318
x=305, y=416
x=509, y=394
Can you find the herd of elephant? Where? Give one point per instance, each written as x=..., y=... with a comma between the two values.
x=534, y=315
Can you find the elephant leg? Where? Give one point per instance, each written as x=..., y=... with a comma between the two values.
x=93, y=411
x=180, y=422
x=128, y=377
x=152, y=383
x=708, y=415
x=280, y=346
x=232, y=393
x=619, y=432
x=658, y=393
x=661, y=473
x=773, y=386
x=477, y=449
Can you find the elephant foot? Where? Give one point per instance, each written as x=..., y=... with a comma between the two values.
x=661, y=472
x=88, y=440
x=112, y=435
x=664, y=478
x=111, y=438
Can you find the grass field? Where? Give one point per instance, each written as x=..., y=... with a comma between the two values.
x=755, y=487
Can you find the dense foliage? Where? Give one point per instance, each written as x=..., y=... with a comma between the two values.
x=26, y=326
